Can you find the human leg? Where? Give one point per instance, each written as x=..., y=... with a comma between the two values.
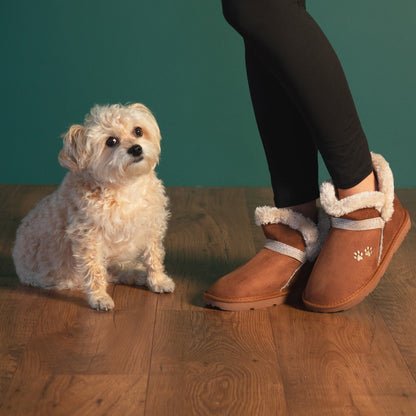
x=290, y=150
x=293, y=47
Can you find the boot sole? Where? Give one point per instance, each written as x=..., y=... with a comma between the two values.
x=292, y=294
x=372, y=284
x=243, y=305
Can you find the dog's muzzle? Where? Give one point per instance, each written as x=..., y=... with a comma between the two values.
x=135, y=150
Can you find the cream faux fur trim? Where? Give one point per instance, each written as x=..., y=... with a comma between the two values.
x=309, y=230
x=382, y=200
x=385, y=184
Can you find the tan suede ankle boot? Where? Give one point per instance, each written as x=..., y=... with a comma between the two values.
x=277, y=270
x=366, y=230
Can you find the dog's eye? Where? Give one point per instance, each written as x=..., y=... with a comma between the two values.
x=112, y=141
x=138, y=131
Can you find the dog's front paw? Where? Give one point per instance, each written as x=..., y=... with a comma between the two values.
x=161, y=283
x=101, y=302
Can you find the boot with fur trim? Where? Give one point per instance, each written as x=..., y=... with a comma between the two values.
x=277, y=270
x=366, y=230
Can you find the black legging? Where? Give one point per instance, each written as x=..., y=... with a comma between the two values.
x=301, y=99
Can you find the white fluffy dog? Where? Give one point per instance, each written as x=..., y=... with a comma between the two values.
x=109, y=212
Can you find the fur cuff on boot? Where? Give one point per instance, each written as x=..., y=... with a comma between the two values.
x=313, y=235
x=382, y=200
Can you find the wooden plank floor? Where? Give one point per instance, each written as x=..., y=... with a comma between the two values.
x=168, y=355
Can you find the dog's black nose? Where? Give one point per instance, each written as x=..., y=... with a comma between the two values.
x=135, y=150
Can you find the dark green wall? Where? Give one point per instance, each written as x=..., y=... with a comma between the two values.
x=60, y=57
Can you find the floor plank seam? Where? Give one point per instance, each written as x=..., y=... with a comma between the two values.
x=149, y=375
x=279, y=368
x=403, y=357
x=19, y=362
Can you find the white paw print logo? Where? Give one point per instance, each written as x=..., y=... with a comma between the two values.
x=358, y=255
x=368, y=251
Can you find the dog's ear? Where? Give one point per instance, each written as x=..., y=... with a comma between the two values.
x=155, y=131
x=144, y=110
x=70, y=155
x=139, y=107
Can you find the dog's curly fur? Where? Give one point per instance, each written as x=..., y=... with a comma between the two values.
x=109, y=215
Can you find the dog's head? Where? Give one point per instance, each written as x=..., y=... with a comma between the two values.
x=115, y=143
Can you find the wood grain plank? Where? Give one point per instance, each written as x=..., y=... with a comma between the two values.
x=211, y=362
x=72, y=338
x=77, y=395
x=19, y=312
x=73, y=342
x=207, y=238
x=339, y=364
